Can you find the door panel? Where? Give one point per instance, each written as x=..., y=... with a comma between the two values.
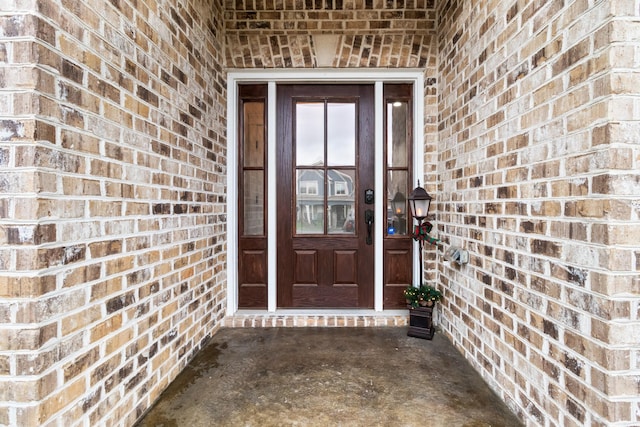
x=325, y=163
x=397, y=273
x=306, y=267
x=252, y=264
x=346, y=267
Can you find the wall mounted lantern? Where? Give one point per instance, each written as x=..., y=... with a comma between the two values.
x=420, y=201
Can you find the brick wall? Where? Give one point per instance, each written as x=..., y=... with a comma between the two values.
x=112, y=147
x=538, y=177
x=367, y=33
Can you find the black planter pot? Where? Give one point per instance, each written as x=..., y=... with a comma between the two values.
x=420, y=323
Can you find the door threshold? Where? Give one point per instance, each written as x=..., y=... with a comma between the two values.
x=316, y=318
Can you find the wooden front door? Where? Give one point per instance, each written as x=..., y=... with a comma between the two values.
x=325, y=165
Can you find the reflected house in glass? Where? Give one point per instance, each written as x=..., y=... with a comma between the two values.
x=310, y=206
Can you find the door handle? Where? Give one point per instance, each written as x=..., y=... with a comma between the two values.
x=368, y=217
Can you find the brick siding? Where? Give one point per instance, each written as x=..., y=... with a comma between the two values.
x=113, y=150
x=538, y=178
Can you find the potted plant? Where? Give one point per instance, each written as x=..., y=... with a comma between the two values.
x=421, y=302
x=424, y=296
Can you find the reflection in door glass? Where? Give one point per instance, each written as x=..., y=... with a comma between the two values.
x=253, y=134
x=341, y=134
x=253, y=168
x=397, y=214
x=310, y=134
x=253, y=202
x=341, y=201
x=309, y=201
x=397, y=134
x=325, y=201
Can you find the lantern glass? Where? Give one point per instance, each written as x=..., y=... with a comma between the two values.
x=419, y=201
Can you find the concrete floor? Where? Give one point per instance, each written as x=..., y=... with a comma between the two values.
x=328, y=377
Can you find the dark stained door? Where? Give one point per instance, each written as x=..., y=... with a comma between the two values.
x=325, y=151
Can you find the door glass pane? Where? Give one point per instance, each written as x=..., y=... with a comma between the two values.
x=341, y=201
x=310, y=210
x=341, y=134
x=253, y=203
x=253, y=134
x=397, y=134
x=398, y=214
x=310, y=134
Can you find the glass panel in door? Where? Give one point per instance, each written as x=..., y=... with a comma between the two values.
x=310, y=121
x=397, y=215
x=341, y=202
x=398, y=137
x=325, y=168
x=253, y=168
x=341, y=134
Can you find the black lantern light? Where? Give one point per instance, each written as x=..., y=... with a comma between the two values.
x=419, y=201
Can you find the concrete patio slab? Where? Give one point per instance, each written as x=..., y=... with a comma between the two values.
x=330, y=377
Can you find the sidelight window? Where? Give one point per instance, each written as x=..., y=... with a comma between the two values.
x=398, y=143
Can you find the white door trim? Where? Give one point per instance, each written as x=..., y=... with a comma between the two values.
x=271, y=78
x=378, y=268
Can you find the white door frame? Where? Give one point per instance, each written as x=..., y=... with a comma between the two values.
x=271, y=78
